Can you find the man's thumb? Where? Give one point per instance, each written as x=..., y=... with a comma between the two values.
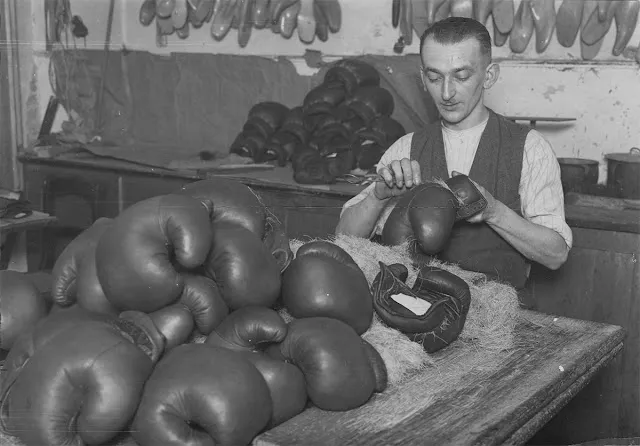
x=455, y=173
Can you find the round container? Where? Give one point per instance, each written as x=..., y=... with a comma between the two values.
x=576, y=173
x=623, y=173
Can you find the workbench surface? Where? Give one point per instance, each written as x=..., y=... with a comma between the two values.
x=553, y=359
x=281, y=179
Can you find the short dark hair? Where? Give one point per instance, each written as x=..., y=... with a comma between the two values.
x=457, y=29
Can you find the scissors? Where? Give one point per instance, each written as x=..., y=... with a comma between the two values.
x=360, y=180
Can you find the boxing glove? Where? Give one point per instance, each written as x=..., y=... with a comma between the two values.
x=175, y=322
x=287, y=387
x=383, y=131
x=237, y=203
x=198, y=395
x=444, y=300
x=425, y=216
x=282, y=144
x=333, y=360
x=332, y=139
x=309, y=167
x=324, y=280
x=249, y=145
x=321, y=100
x=378, y=366
x=278, y=244
x=21, y=306
x=239, y=263
x=233, y=202
x=370, y=143
x=137, y=259
x=341, y=163
x=369, y=103
x=470, y=199
x=269, y=112
x=202, y=297
x=351, y=74
x=352, y=122
x=279, y=147
x=294, y=124
x=249, y=329
x=200, y=306
x=324, y=122
x=81, y=384
x=74, y=275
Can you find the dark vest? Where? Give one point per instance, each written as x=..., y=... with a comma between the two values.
x=496, y=167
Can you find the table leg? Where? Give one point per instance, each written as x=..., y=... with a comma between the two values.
x=14, y=252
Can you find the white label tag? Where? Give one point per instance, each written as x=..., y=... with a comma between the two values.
x=367, y=142
x=413, y=304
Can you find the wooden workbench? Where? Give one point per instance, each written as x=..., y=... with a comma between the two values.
x=13, y=254
x=523, y=388
x=599, y=281
x=554, y=358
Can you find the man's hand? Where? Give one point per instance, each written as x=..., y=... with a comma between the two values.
x=489, y=212
x=399, y=177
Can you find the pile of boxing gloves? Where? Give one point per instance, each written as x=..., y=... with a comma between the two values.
x=344, y=124
x=116, y=353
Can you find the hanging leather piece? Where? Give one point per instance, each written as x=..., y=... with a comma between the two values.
x=420, y=20
x=503, y=15
x=462, y=8
x=626, y=17
x=432, y=7
x=179, y=14
x=482, y=10
x=245, y=13
x=544, y=22
x=589, y=52
x=499, y=39
x=522, y=28
x=306, y=22
x=568, y=22
x=443, y=11
x=289, y=20
x=595, y=30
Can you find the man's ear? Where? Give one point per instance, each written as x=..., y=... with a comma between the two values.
x=491, y=76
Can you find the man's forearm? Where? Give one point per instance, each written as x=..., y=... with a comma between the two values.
x=360, y=219
x=538, y=243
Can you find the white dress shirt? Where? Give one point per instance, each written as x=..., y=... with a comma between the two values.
x=542, y=199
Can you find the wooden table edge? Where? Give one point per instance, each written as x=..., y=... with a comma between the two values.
x=546, y=413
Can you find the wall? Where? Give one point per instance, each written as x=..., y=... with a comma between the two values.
x=603, y=95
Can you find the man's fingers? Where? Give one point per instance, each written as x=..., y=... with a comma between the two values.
x=386, y=175
x=417, y=175
x=397, y=172
x=407, y=174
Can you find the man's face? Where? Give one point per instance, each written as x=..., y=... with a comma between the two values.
x=455, y=76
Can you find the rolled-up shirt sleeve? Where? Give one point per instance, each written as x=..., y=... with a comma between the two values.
x=540, y=187
x=397, y=151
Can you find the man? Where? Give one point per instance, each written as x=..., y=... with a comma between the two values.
x=513, y=166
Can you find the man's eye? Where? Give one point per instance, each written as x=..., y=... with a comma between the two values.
x=433, y=78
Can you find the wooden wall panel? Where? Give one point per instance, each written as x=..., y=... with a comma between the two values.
x=599, y=282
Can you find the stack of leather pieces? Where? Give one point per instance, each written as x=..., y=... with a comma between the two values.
x=343, y=124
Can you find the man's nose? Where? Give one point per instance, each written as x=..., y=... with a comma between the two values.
x=448, y=89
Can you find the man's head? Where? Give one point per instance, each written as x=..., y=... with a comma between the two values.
x=457, y=68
